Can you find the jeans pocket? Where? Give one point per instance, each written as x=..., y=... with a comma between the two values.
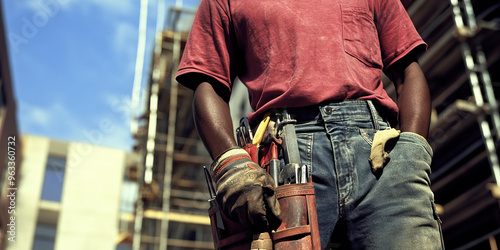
x=360, y=35
x=417, y=139
x=367, y=135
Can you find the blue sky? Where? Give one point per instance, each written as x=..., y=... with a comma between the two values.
x=73, y=65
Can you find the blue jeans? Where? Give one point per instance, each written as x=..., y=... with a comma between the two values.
x=356, y=208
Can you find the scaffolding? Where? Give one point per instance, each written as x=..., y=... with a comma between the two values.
x=485, y=104
x=171, y=212
x=463, y=52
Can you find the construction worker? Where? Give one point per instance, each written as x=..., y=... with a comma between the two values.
x=322, y=61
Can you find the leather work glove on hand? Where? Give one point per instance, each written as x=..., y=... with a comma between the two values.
x=245, y=191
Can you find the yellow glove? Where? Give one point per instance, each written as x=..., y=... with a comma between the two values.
x=378, y=156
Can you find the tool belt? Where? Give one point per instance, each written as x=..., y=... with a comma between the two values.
x=274, y=137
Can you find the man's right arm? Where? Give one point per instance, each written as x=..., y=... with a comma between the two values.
x=245, y=191
x=213, y=120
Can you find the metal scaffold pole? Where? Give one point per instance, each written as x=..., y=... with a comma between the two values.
x=139, y=65
x=141, y=47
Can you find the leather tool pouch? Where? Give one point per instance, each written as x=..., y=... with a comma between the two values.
x=299, y=227
x=298, y=230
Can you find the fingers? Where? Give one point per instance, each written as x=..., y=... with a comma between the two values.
x=256, y=208
x=258, y=219
x=263, y=210
x=273, y=213
x=248, y=197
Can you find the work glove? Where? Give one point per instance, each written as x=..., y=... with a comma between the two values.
x=378, y=156
x=245, y=191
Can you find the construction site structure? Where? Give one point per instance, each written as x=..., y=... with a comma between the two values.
x=171, y=212
x=462, y=68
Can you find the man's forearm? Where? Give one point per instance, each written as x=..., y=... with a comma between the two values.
x=213, y=120
x=414, y=101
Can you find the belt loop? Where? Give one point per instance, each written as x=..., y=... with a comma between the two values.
x=373, y=113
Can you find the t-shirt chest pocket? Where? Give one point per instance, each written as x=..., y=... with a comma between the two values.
x=360, y=35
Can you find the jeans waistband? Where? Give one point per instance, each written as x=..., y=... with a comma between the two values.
x=338, y=111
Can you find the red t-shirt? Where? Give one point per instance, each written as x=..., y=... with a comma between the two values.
x=300, y=53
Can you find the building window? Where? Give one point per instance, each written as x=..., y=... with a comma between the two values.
x=123, y=246
x=45, y=237
x=54, y=178
x=130, y=190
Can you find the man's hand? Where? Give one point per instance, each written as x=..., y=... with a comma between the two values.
x=245, y=191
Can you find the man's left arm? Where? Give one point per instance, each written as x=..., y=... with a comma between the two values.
x=413, y=98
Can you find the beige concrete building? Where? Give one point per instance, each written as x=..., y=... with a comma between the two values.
x=70, y=196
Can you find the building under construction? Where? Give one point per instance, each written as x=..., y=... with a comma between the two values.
x=462, y=66
x=171, y=212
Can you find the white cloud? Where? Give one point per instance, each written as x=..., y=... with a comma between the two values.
x=36, y=5
x=119, y=137
x=41, y=117
x=38, y=116
x=122, y=6
x=111, y=129
x=120, y=105
x=109, y=6
x=115, y=127
x=125, y=39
